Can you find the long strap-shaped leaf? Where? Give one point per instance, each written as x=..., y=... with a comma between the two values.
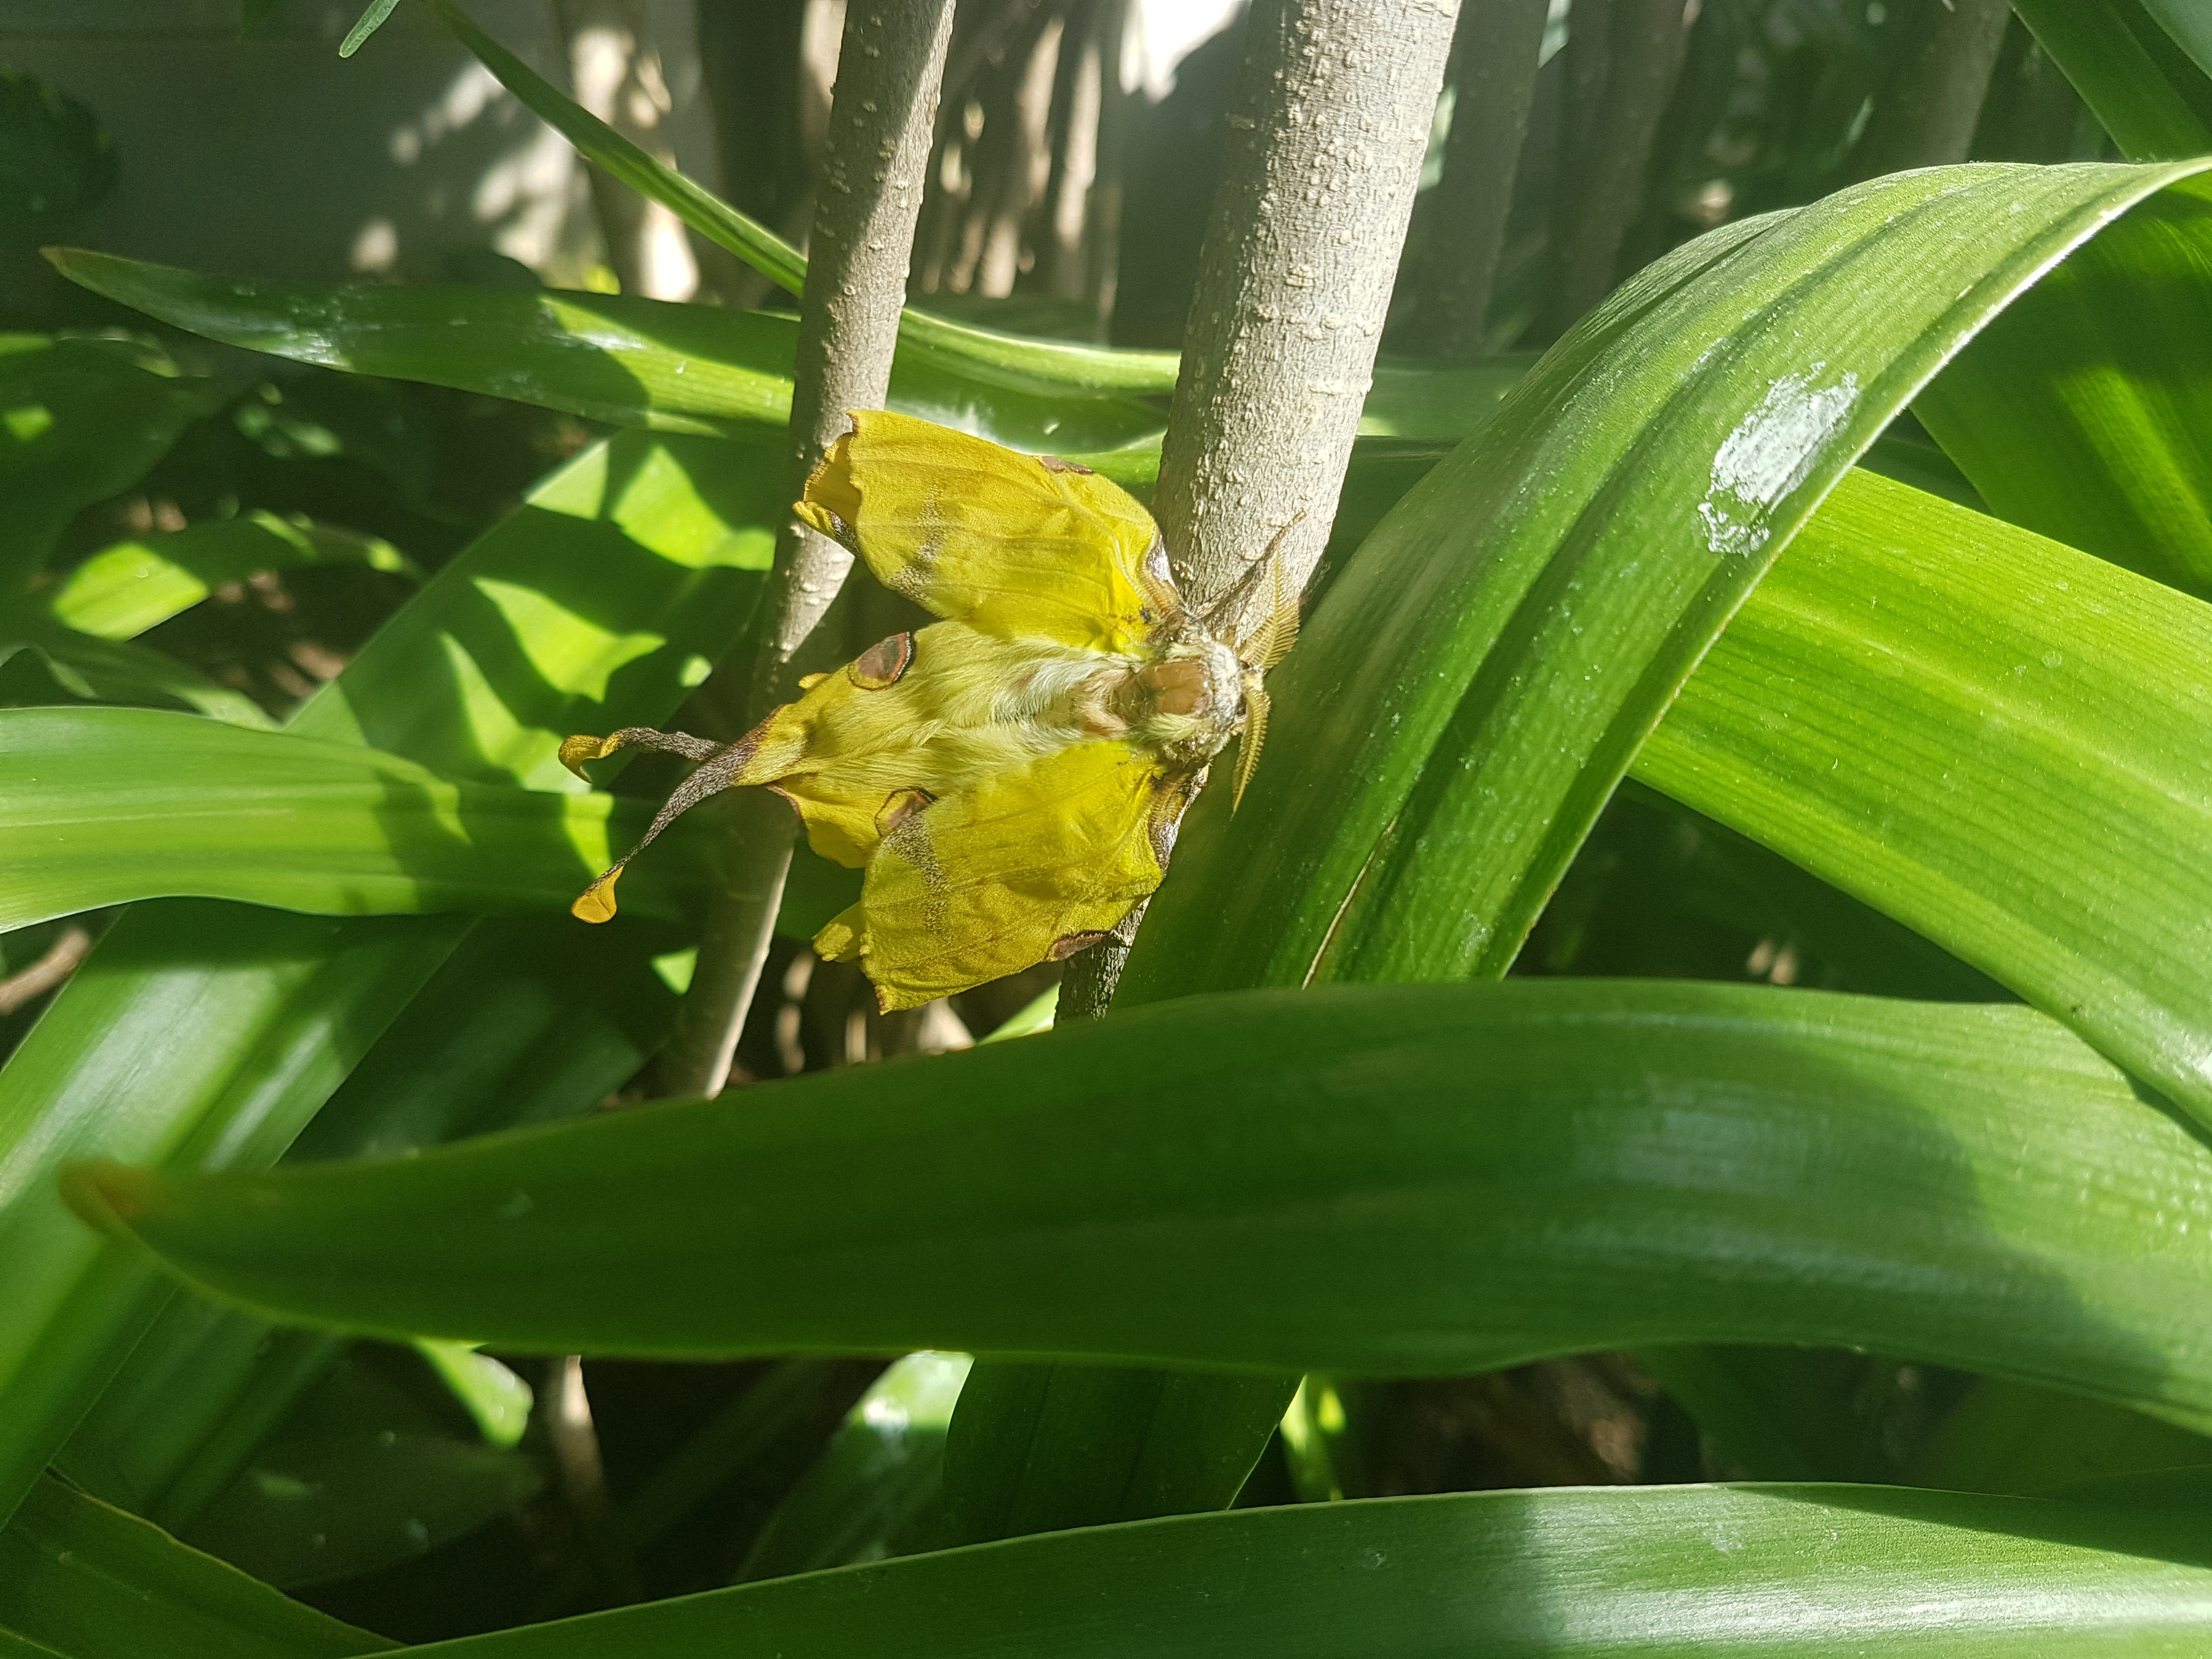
x=2083, y=412
x=1369, y=1179
x=1467, y=695
x=1754, y=1572
x=88, y=1581
x=102, y=806
x=691, y=368
x=2003, y=743
x=1046, y=366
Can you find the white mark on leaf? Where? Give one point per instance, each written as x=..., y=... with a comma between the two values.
x=1769, y=455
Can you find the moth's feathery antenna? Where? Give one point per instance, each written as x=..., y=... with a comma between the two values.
x=1254, y=734
x=1221, y=618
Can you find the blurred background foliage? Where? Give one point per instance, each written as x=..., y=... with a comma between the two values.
x=293, y=508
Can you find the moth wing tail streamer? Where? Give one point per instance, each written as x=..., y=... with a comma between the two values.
x=1029, y=865
x=762, y=755
x=1021, y=546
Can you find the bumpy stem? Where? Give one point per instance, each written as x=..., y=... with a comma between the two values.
x=889, y=73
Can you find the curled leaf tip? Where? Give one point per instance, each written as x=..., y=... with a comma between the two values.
x=106, y=1196
x=597, y=902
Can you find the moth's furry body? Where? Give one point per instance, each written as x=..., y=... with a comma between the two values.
x=1012, y=776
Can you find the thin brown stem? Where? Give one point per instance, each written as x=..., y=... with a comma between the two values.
x=890, y=67
x=61, y=959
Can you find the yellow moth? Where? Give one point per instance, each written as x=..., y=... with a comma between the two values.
x=1011, y=777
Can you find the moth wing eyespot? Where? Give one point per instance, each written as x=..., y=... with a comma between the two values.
x=883, y=663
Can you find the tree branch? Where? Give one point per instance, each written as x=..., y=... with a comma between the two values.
x=1624, y=57
x=889, y=69
x=1493, y=80
x=1327, y=134
x=1925, y=116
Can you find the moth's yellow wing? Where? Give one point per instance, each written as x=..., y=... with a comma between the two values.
x=1029, y=864
x=1015, y=545
x=924, y=712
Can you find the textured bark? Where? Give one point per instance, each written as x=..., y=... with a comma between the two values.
x=1493, y=80
x=1925, y=117
x=1331, y=121
x=1625, y=56
x=889, y=69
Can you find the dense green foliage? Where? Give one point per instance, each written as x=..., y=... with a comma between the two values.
x=1709, y=987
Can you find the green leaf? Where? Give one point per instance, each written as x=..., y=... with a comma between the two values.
x=599, y=602
x=1045, y=366
x=367, y=24
x=90, y=1581
x=305, y=1513
x=105, y=805
x=591, y=608
x=531, y=1019
x=126, y=588
x=1371, y=1180
x=1848, y=721
x=255, y=1024
x=2009, y=1437
x=874, y=1492
x=116, y=671
x=495, y=1397
x=2079, y=413
x=1450, y=725
x=1763, y=1572
x=1042, y=1448
x=684, y=369
x=2151, y=99
x=2189, y=25
x=82, y=417
x=200, y=1391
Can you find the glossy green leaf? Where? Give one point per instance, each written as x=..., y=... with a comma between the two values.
x=201, y=1390
x=2080, y=412
x=82, y=417
x=92, y=1583
x=124, y=589
x=593, y=606
x=2009, y=1437
x=2151, y=99
x=105, y=805
x=1766, y=1572
x=254, y=1026
x=1045, y=367
x=1450, y=725
x=1365, y=1179
x=687, y=368
x=875, y=1490
x=308, y=1513
x=116, y=671
x=496, y=1399
x=2189, y=25
x=530, y=1019
x=2033, y=793
x=599, y=602
x=533, y=1019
